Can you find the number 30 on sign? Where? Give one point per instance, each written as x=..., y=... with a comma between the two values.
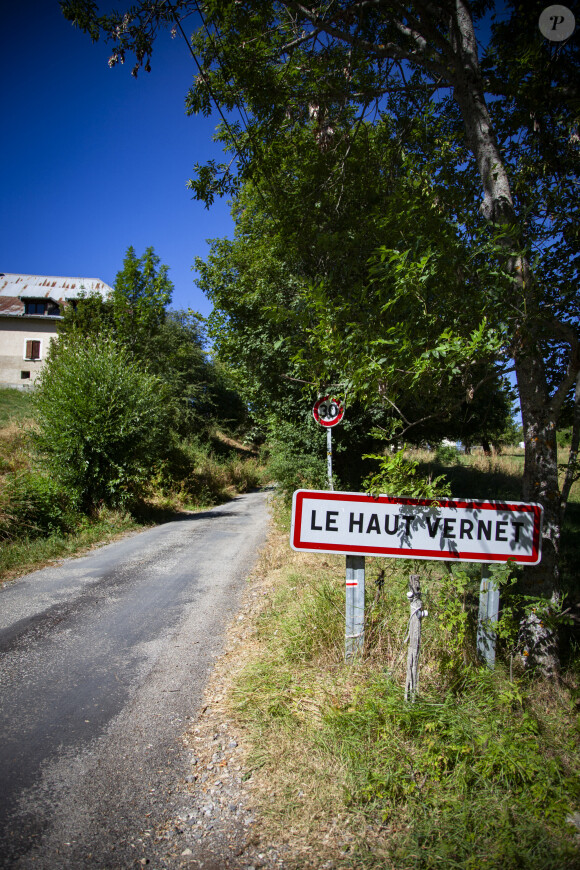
x=328, y=411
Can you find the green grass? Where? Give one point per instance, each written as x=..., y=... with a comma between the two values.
x=481, y=771
x=22, y=555
x=38, y=519
x=14, y=405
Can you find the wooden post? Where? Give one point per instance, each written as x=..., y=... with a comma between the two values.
x=414, y=635
x=354, y=631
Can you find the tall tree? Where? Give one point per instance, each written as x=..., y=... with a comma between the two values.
x=284, y=63
x=168, y=344
x=141, y=294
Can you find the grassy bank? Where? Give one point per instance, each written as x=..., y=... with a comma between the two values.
x=39, y=522
x=481, y=771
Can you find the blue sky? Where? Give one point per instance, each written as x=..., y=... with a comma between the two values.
x=94, y=160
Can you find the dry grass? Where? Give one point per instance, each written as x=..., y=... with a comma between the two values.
x=289, y=694
x=299, y=790
x=14, y=454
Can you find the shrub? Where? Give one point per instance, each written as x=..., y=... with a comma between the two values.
x=297, y=458
x=446, y=454
x=102, y=421
x=32, y=504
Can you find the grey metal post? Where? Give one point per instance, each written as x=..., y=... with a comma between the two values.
x=414, y=635
x=488, y=615
x=329, y=457
x=354, y=635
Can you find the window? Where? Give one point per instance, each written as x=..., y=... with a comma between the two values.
x=24, y=376
x=32, y=349
x=35, y=306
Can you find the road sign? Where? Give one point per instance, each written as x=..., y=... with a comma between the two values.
x=328, y=411
x=355, y=523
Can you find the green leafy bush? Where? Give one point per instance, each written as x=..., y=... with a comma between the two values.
x=33, y=504
x=297, y=458
x=102, y=421
x=446, y=454
x=398, y=476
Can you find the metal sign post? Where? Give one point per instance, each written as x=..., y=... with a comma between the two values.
x=354, y=630
x=329, y=458
x=328, y=412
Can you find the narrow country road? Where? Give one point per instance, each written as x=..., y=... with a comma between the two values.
x=103, y=660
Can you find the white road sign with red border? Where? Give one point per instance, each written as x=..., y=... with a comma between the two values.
x=355, y=523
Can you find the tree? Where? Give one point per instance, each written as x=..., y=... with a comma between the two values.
x=297, y=306
x=167, y=344
x=289, y=64
x=102, y=420
x=141, y=295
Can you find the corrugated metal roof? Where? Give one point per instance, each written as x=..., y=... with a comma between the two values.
x=53, y=287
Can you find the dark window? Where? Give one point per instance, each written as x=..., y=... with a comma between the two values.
x=35, y=306
x=33, y=349
x=24, y=375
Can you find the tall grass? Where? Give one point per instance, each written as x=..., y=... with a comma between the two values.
x=481, y=771
x=40, y=520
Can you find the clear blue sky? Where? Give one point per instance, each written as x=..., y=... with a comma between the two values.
x=93, y=160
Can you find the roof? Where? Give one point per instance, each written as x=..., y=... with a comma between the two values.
x=14, y=288
x=50, y=287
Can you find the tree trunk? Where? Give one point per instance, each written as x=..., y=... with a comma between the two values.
x=541, y=469
x=540, y=484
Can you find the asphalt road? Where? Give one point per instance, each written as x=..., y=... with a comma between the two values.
x=103, y=660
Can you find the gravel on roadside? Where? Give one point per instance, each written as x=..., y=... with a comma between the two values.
x=217, y=826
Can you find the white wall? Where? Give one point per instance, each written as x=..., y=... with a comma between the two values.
x=14, y=333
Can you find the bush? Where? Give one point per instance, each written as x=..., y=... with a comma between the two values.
x=102, y=422
x=298, y=458
x=33, y=504
x=446, y=454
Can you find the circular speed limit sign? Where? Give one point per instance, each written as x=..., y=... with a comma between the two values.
x=328, y=411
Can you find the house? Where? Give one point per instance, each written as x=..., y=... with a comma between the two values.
x=31, y=307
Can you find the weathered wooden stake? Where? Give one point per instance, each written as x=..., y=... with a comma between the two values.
x=414, y=635
x=354, y=632
x=488, y=614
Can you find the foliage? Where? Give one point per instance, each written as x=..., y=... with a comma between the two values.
x=480, y=771
x=398, y=475
x=202, y=472
x=141, y=294
x=297, y=458
x=446, y=454
x=468, y=771
x=34, y=504
x=167, y=343
x=14, y=404
x=479, y=264
x=102, y=421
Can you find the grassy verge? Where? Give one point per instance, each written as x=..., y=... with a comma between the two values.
x=38, y=520
x=30, y=553
x=481, y=771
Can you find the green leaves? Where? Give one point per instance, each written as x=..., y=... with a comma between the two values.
x=102, y=420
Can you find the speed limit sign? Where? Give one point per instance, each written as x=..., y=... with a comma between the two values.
x=328, y=411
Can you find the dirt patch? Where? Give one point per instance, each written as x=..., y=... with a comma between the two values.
x=218, y=828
